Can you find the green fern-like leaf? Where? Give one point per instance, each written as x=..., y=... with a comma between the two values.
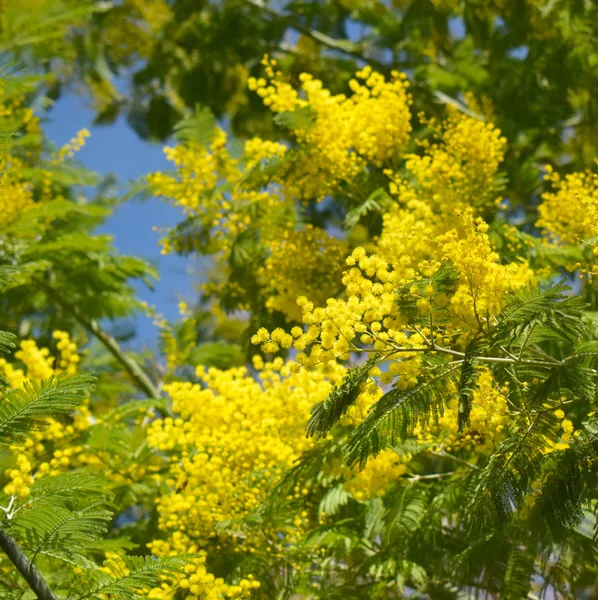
x=517, y=581
x=467, y=384
x=58, y=532
x=377, y=201
x=326, y=413
x=406, y=509
x=7, y=342
x=559, y=505
x=128, y=578
x=25, y=411
x=300, y=118
x=395, y=415
x=500, y=487
x=67, y=489
x=550, y=308
x=333, y=500
x=199, y=127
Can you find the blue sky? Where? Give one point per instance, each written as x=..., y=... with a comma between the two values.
x=117, y=149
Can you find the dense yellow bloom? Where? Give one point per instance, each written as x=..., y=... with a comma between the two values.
x=343, y=132
x=483, y=280
x=568, y=212
x=243, y=434
x=229, y=443
x=222, y=210
x=369, y=314
x=459, y=171
x=379, y=473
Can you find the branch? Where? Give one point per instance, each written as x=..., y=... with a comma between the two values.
x=433, y=347
x=26, y=568
x=142, y=381
x=344, y=46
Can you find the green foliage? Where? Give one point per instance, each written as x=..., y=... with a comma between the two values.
x=375, y=202
x=548, y=309
x=58, y=532
x=198, y=128
x=6, y=342
x=326, y=413
x=24, y=411
x=300, y=118
x=135, y=573
x=398, y=412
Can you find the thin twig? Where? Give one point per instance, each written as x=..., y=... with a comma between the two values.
x=414, y=478
x=343, y=46
x=445, y=454
x=142, y=381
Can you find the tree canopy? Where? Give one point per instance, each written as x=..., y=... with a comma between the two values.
x=387, y=385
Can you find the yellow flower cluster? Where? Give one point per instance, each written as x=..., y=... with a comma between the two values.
x=74, y=145
x=483, y=281
x=199, y=584
x=231, y=440
x=458, y=171
x=569, y=212
x=258, y=150
x=379, y=473
x=16, y=193
x=568, y=432
x=200, y=170
x=341, y=133
x=242, y=434
x=308, y=261
x=209, y=186
x=69, y=358
x=38, y=362
x=15, y=197
x=20, y=478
